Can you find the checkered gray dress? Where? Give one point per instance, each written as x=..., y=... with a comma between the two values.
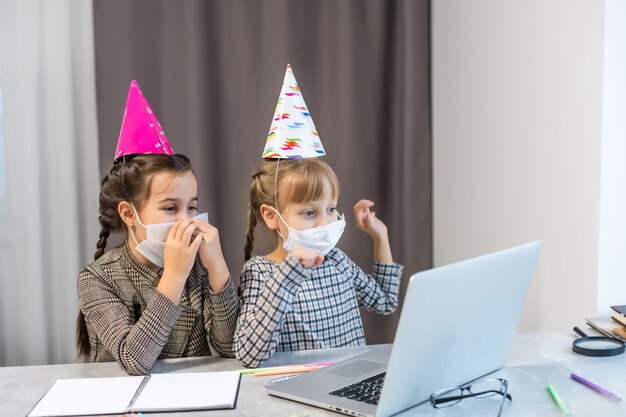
x=113, y=290
x=289, y=307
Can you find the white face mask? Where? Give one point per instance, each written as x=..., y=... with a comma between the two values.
x=153, y=247
x=321, y=239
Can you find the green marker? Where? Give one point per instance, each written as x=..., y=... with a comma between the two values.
x=558, y=400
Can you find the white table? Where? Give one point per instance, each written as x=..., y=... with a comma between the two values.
x=536, y=359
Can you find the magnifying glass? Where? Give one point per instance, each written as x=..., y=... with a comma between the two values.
x=598, y=346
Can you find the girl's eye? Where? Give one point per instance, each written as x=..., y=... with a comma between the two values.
x=308, y=213
x=170, y=209
x=192, y=208
x=332, y=210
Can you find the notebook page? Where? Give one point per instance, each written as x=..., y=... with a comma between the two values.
x=85, y=396
x=189, y=391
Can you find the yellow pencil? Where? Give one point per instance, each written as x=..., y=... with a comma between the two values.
x=273, y=368
x=294, y=370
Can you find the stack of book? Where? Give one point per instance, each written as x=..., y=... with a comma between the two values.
x=619, y=314
x=614, y=327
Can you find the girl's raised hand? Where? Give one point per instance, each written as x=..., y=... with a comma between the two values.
x=309, y=258
x=181, y=248
x=367, y=221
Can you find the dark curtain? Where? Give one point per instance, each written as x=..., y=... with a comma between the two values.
x=212, y=71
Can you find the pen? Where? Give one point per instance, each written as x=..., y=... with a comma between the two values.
x=580, y=332
x=559, y=402
x=596, y=387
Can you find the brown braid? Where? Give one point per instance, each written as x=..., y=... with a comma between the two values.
x=129, y=180
x=102, y=242
x=82, y=336
x=252, y=221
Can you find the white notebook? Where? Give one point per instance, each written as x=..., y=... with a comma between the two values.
x=156, y=392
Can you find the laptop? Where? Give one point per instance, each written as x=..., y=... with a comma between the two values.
x=457, y=324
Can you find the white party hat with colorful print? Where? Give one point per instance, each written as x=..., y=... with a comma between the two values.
x=292, y=133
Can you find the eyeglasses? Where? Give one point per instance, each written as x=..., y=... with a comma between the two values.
x=480, y=389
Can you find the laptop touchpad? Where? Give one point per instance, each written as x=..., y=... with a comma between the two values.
x=355, y=368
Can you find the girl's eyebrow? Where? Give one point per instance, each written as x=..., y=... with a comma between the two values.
x=175, y=199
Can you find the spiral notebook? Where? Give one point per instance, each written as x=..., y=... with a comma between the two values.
x=156, y=392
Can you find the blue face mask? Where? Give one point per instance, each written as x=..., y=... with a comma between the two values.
x=321, y=239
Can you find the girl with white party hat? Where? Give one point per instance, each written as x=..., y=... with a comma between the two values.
x=166, y=291
x=306, y=293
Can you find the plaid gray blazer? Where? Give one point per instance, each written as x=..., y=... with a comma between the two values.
x=130, y=322
x=288, y=307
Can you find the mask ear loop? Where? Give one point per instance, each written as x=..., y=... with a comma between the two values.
x=133, y=236
x=130, y=229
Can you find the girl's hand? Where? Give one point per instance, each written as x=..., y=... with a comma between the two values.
x=211, y=255
x=181, y=248
x=367, y=221
x=210, y=249
x=309, y=258
x=178, y=258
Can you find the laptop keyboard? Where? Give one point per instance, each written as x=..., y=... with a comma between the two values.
x=367, y=390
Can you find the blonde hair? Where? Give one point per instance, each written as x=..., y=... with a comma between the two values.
x=300, y=180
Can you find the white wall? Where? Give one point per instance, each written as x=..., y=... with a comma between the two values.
x=517, y=124
x=48, y=217
x=612, y=254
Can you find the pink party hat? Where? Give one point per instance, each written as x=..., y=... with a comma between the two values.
x=292, y=133
x=141, y=131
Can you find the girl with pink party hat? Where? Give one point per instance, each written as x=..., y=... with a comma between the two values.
x=306, y=293
x=166, y=291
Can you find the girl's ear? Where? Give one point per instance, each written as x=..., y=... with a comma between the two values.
x=269, y=217
x=126, y=212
